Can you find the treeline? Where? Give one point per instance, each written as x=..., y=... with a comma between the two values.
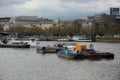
x=1, y=28
x=74, y=29
x=110, y=29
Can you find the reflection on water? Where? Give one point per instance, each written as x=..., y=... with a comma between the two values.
x=26, y=64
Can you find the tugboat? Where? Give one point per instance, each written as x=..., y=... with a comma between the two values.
x=80, y=51
x=67, y=53
x=71, y=53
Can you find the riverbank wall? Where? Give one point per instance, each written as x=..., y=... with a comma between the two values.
x=108, y=40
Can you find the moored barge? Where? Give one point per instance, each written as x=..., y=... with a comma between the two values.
x=14, y=45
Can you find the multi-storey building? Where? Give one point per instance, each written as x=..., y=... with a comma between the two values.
x=26, y=21
x=4, y=23
x=114, y=11
x=100, y=21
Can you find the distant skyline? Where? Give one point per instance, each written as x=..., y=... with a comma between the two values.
x=54, y=9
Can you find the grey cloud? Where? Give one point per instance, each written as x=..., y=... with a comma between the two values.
x=64, y=9
x=4, y=3
x=80, y=1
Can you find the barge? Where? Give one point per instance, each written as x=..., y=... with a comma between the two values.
x=14, y=46
x=47, y=50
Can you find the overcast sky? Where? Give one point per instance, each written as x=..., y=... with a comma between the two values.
x=53, y=9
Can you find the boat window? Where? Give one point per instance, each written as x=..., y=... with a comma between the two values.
x=32, y=40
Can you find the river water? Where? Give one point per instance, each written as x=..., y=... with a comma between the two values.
x=26, y=64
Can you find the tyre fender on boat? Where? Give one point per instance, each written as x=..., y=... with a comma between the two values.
x=43, y=48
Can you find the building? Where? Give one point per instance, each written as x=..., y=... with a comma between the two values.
x=87, y=25
x=114, y=11
x=26, y=21
x=32, y=21
x=66, y=23
x=69, y=23
x=104, y=19
x=4, y=23
x=118, y=19
x=100, y=22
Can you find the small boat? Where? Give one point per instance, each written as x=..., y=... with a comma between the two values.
x=31, y=41
x=62, y=40
x=81, y=39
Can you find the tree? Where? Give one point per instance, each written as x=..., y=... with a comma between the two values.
x=1, y=27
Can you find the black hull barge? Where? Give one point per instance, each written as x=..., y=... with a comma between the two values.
x=47, y=50
x=14, y=46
